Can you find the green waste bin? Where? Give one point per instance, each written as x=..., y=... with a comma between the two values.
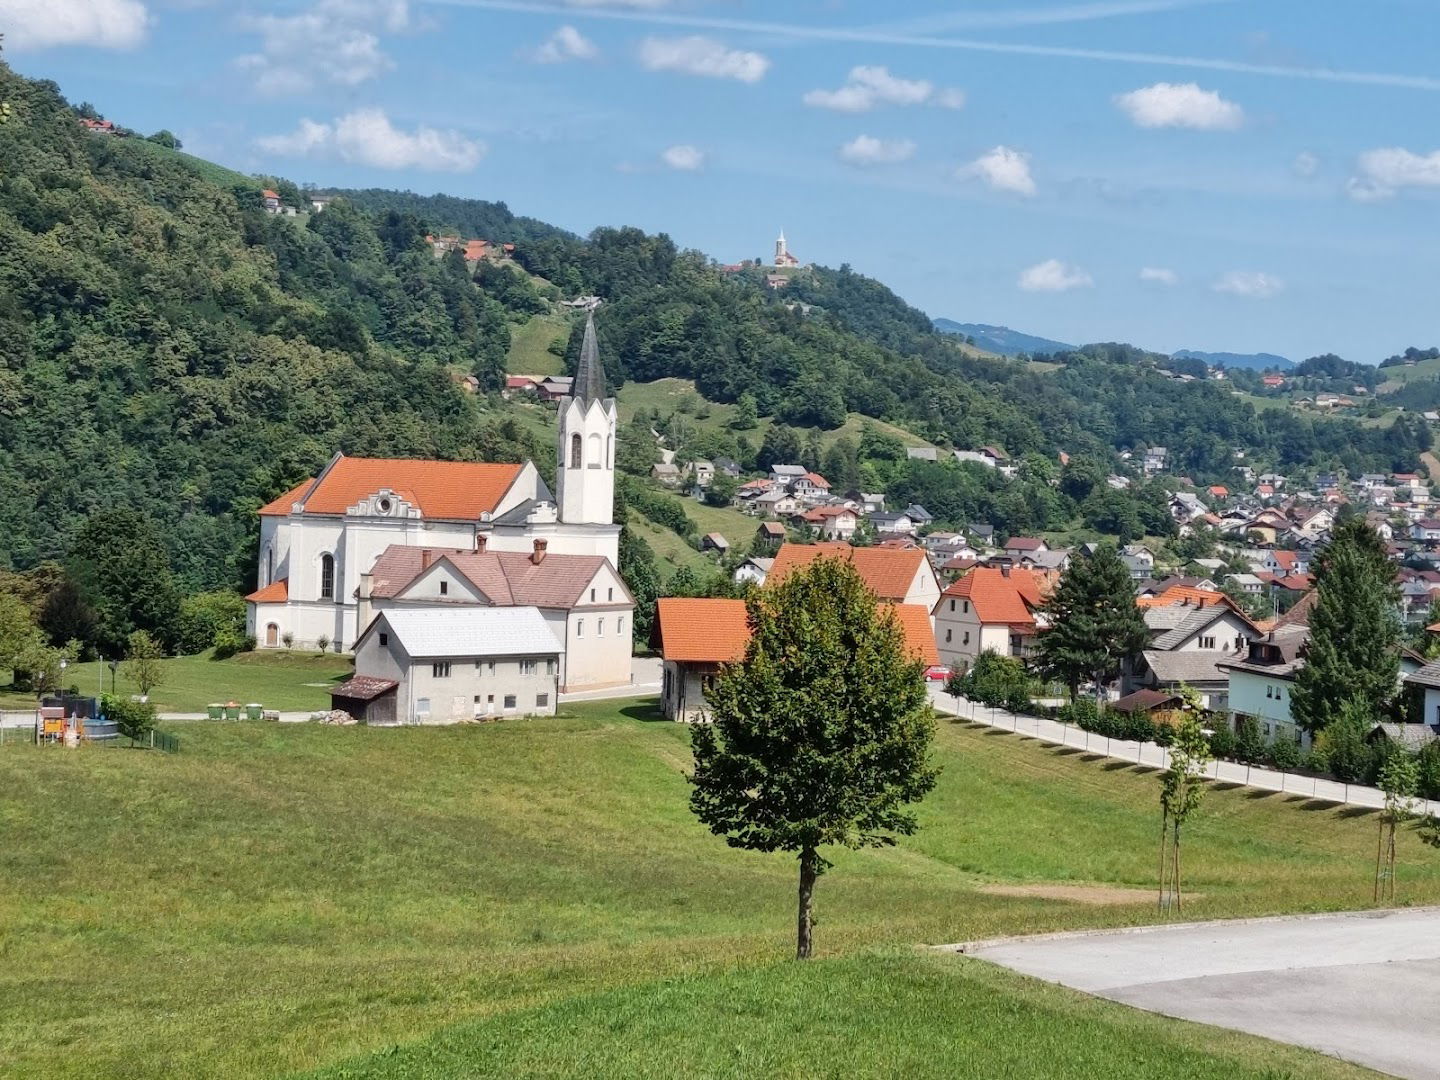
x=215, y=711
x=232, y=712
x=253, y=711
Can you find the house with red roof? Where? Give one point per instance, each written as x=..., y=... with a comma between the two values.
x=900, y=576
x=832, y=522
x=990, y=609
x=697, y=637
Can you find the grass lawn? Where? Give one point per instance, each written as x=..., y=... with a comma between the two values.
x=534, y=898
x=530, y=346
x=730, y=523
x=671, y=549
x=290, y=682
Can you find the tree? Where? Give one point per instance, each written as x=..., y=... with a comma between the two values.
x=1181, y=789
x=19, y=636
x=746, y=416
x=322, y=643
x=1093, y=623
x=820, y=735
x=118, y=560
x=143, y=662
x=44, y=665
x=1354, y=630
x=721, y=491
x=1399, y=780
x=164, y=137
x=204, y=617
x=288, y=639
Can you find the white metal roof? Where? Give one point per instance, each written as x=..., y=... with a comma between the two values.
x=472, y=631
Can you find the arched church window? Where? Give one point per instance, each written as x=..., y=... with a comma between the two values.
x=595, y=460
x=575, y=451
x=327, y=576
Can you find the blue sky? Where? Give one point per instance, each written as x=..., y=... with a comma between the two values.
x=1213, y=174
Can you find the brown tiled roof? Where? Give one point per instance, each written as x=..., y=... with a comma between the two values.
x=505, y=578
x=999, y=599
x=281, y=504
x=277, y=592
x=701, y=630
x=362, y=687
x=715, y=631
x=448, y=490
x=887, y=572
x=1144, y=701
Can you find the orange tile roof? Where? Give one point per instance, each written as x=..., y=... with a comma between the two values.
x=1184, y=594
x=816, y=479
x=282, y=504
x=914, y=623
x=998, y=599
x=715, y=631
x=277, y=592
x=702, y=630
x=887, y=572
x=447, y=490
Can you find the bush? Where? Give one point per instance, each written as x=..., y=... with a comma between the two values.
x=1164, y=735
x=1136, y=727
x=134, y=718
x=1222, y=743
x=1249, y=745
x=204, y=617
x=1430, y=771
x=1285, y=754
x=323, y=643
x=1350, y=757
x=228, y=642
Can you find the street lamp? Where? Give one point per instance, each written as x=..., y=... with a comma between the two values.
x=114, y=664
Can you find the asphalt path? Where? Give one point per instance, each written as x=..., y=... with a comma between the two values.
x=1362, y=986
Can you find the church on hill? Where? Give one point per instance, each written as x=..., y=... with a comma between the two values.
x=319, y=540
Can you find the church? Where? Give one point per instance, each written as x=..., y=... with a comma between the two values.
x=321, y=541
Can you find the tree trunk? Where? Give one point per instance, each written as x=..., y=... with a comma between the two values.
x=808, y=862
x=1177, y=866
x=1379, y=856
x=1164, y=824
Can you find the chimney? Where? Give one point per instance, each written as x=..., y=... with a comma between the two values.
x=425, y=559
x=538, y=555
x=481, y=539
x=362, y=600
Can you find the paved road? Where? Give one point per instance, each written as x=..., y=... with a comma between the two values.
x=1150, y=754
x=1363, y=986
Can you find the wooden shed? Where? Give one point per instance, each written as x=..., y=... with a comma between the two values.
x=369, y=700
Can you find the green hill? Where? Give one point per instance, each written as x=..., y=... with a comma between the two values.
x=534, y=898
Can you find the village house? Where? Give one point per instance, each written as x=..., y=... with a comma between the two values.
x=900, y=576
x=753, y=570
x=582, y=599
x=1020, y=546
x=1139, y=560
x=990, y=609
x=892, y=523
x=770, y=533
x=1187, y=644
x=456, y=664
x=317, y=539
x=702, y=473
x=665, y=472
x=697, y=637
x=1426, y=531
x=832, y=522
x=714, y=541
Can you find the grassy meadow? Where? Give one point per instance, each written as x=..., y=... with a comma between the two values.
x=530, y=346
x=296, y=681
x=534, y=898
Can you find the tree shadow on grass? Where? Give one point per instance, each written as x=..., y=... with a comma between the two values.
x=1260, y=793
x=1226, y=785
x=1313, y=805
x=1068, y=751
x=1357, y=811
x=646, y=713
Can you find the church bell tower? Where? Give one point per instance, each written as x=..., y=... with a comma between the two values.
x=585, y=469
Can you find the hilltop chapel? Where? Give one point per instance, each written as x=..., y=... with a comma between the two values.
x=369, y=535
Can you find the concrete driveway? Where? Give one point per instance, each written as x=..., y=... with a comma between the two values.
x=1363, y=986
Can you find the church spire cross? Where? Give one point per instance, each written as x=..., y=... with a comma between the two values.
x=590, y=373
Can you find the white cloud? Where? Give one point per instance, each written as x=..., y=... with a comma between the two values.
x=1180, y=105
x=1004, y=169
x=104, y=24
x=698, y=55
x=869, y=86
x=1305, y=164
x=1250, y=283
x=336, y=42
x=868, y=150
x=684, y=157
x=1159, y=275
x=1384, y=171
x=566, y=43
x=1052, y=275
x=367, y=137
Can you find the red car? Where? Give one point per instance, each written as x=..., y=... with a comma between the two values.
x=937, y=673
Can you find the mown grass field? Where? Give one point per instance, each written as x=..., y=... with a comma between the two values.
x=530, y=346
x=534, y=898
x=287, y=681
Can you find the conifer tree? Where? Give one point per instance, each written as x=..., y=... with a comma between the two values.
x=821, y=734
x=1093, y=621
x=1354, y=630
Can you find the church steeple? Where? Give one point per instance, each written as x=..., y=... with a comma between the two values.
x=589, y=382
x=585, y=458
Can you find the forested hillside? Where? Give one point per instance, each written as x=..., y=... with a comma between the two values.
x=167, y=346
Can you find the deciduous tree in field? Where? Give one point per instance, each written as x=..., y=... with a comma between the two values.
x=820, y=735
x=1399, y=780
x=143, y=662
x=1181, y=789
x=1093, y=621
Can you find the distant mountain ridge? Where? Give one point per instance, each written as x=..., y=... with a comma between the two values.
x=1001, y=339
x=1253, y=361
